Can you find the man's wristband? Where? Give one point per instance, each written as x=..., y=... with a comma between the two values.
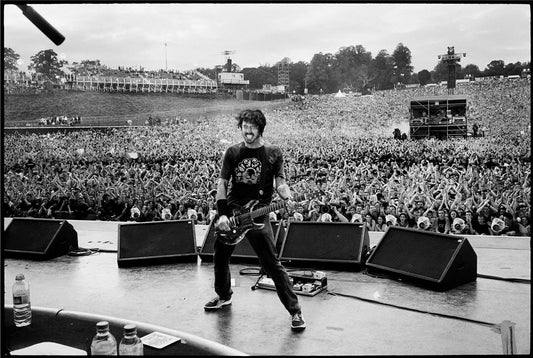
x=223, y=208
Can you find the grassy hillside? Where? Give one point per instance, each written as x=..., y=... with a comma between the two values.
x=98, y=108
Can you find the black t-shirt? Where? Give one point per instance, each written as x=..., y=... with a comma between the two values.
x=514, y=227
x=480, y=228
x=441, y=225
x=25, y=206
x=8, y=210
x=252, y=172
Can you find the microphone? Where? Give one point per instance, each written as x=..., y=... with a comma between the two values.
x=42, y=24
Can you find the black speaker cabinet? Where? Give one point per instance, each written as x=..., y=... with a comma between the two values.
x=38, y=239
x=325, y=244
x=244, y=253
x=156, y=242
x=433, y=260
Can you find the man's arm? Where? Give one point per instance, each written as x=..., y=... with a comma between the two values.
x=283, y=188
x=222, y=190
x=341, y=217
x=284, y=192
x=223, y=210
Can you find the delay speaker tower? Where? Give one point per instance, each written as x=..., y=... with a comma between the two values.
x=428, y=259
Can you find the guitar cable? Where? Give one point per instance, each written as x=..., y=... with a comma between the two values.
x=83, y=251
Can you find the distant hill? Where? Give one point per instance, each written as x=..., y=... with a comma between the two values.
x=116, y=108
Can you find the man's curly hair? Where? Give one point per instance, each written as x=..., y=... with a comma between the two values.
x=253, y=116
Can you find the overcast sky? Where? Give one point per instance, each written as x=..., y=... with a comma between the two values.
x=134, y=35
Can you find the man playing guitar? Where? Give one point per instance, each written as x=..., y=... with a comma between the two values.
x=253, y=168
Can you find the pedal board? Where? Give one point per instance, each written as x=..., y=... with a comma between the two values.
x=307, y=284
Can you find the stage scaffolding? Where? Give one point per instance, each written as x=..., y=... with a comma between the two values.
x=440, y=117
x=143, y=85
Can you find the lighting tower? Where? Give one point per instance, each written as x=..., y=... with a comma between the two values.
x=283, y=73
x=228, y=59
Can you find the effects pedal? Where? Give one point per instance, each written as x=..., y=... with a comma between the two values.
x=308, y=283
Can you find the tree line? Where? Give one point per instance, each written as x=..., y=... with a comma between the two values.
x=350, y=68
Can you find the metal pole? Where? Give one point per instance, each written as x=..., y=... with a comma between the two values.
x=166, y=67
x=507, y=331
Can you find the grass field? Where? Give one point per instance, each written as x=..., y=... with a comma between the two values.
x=98, y=108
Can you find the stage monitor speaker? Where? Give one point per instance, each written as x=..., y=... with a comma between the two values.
x=156, y=242
x=243, y=250
x=38, y=239
x=325, y=244
x=433, y=260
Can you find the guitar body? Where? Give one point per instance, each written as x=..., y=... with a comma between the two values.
x=240, y=224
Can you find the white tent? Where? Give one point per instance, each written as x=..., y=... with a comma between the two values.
x=339, y=94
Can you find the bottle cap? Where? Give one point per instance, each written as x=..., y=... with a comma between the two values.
x=19, y=277
x=130, y=328
x=102, y=326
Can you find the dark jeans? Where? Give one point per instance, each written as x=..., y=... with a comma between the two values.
x=263, y=244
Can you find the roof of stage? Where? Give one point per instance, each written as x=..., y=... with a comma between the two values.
x=451, y=97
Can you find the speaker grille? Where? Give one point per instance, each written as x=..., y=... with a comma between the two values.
x=416, y=252
x=156, y=239
x=31, y=235
x=318, y=241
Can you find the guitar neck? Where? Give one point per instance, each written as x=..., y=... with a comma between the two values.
x=267, y=209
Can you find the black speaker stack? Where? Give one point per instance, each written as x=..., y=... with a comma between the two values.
x=325, y=245
x=431, y=260
x=156, y=242
x=38, y=239
x=427, y=259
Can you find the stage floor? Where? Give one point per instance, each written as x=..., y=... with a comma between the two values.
x=358, y=314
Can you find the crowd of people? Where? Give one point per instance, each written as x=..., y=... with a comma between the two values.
x=20, y=83
x=339, y=153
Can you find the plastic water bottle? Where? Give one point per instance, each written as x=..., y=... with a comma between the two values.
x=131, y=344
x=103, y=344
x=21, y=302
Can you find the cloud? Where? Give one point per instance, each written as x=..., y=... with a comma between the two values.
x=196, y=34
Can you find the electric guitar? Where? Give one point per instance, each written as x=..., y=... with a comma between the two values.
x=241, y=223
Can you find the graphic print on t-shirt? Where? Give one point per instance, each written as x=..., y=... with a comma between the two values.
x=248, y=171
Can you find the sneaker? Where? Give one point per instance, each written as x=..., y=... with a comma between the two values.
x=297, y=322
x=216, y=303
